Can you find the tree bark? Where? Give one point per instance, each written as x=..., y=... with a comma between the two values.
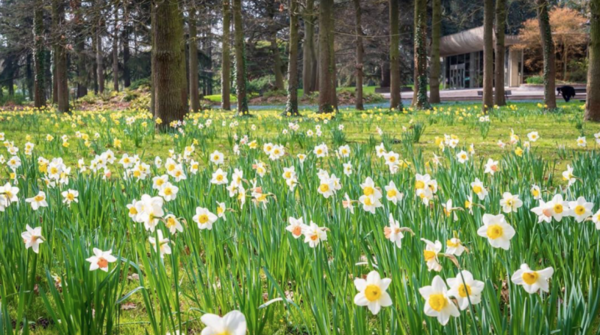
x=115, y=51
x=499, y=94
x=78, y=27
x=99, y=52
x=193, y=58
x=292, y=103
x=309, y=62
x=436, y=35
x=327, y=75
x=395, y=83
x=240, y=60
x=360, y=51
x=39, y=91
x=62, y=87
x=226, y=58
x=422, y=101
x=549, y=56
x=169, y=63
x=592, y=106
x=488, y=55
x=125, y=42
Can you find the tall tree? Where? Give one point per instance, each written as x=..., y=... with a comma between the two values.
x=275, y=47
x=436, y=35
x=488, y=55
x=60, y=55
x=240, y=59
x=193, y=57
x=115, y=46
x=78, y=27
x=168, y=52
x=395, y=83
x=360, y=52
x=292, y=103
x=592, y=106
x=309, y=60
x=549, y=56
x=226, y=58
x=422, y=101
x=125, y=42
x=327, y=74
x=499, y=94
x=39, y=91
x=99, y=49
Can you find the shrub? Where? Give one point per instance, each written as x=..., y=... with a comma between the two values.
x=535, y=80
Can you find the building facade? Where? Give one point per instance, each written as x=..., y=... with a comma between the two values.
x=462, y=60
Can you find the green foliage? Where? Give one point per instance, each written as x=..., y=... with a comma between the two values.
x=535, y=80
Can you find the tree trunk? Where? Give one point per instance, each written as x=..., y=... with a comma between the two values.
x=193, y=58
x=240, y=60
x=549, y=56
x=125, y=42
x=58, y=17
x=115, y=51
x=39, y=91
x=395, y=95
x=421, y=54
x=309, y=62
x=29, y=75
x=499, y=95
x=99, y=52
x=292, y=103
x=275, y=51
x=360, y=51
x=327, y=75
x=488, y=55
x=226, y=58
x=169, y=57
x=436, y=35
x=592, y=106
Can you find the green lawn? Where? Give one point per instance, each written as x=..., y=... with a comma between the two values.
x=249, y=262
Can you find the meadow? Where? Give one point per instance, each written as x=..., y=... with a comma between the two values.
x=364, y=222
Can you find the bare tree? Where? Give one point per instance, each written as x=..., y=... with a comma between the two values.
x=592, y=107
x=549, y=56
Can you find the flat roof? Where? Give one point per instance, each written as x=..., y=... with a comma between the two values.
x=468, y=41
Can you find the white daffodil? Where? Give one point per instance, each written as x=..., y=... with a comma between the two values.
x=168, y=191
x=372, y=292
x=38, y=201
x=204, y=218
x=491, y=166
x=70, y=196
x=497, y=230
x=163, y=244
x=32, y=237
x=313, y=234
x=431, y=255
x=394, y=232
x=454, y=247
x=464, y=288
x=581, y=209
x=438, y=303
x=532, y=281
x=392, y=193
x=233, y=323
x=296, y=226
x=173, y=224
x=101, y=259
x=510, y=202
x=219, y=177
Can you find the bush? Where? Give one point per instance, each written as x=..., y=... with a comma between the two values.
x=535, y=80
x=275, y=93
x=144, y=82
x=16, y=99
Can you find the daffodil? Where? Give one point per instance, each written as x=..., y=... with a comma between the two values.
x=204, y=218
x=437, y=301
x=496, y=230
x=479, y=189
x=531, y=280
x=373, y=292
x=296, y=226
x=161, y=244
x=510, y=203
x=101, y=259
x=313, y=234
x=38, y=201
x=430, y=254
x=233, y=323
x=32, y=237
x=465, y=289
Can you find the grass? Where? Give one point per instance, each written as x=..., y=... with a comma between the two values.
x=248, y=258
x=216, y=98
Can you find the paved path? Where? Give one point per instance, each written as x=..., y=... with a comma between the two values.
x=517, y=94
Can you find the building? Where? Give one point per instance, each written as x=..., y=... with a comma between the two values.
x=462, y=60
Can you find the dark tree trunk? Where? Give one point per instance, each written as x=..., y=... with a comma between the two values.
x=395, y=83
x=499, y=96
x=592, y=107
x=422, y=101
x=549, y=56
x=240, y=60
x=488, y=55
x=58, y=17
x=99, y=52
x=292, y=103
x=309, y=61
x=436, y=35
x=193, y=58
x=29, y=75
x=125, y=42
x=275, y=48
x=39, y=90
x=327, y=75
x=360, y=51
x=226, y=58
x=115, y=47
x=170, y=87
x=79, y=49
